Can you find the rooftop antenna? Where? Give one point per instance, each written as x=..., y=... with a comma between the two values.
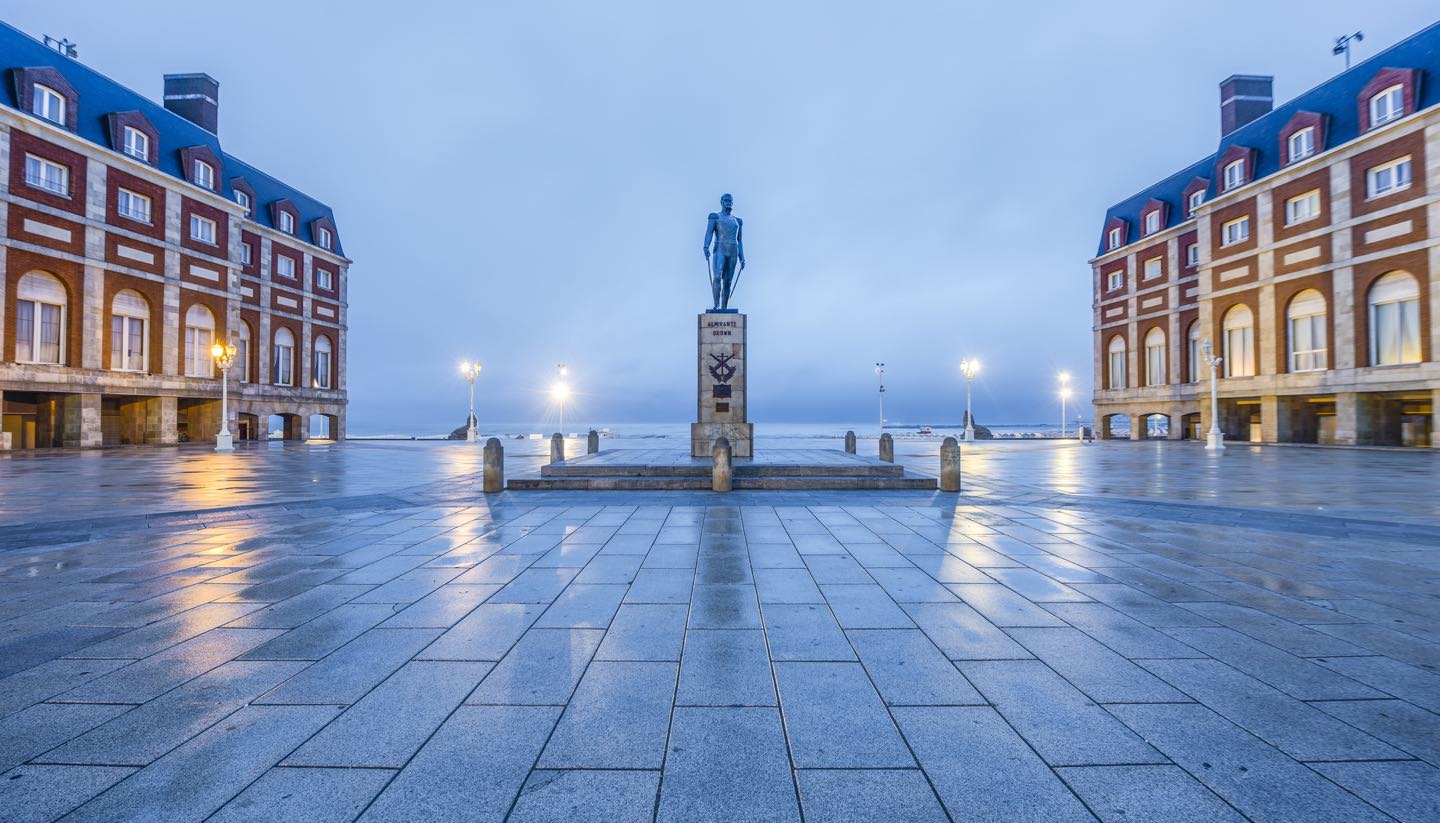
x=1342, y=45
x=63, y=45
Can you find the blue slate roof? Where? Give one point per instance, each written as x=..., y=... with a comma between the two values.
x=1336, y=98
x=101, y=96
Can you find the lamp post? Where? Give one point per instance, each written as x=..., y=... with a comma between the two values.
x=561, y=391
x=1215, y=439
x=880, y=373
x=224, y=355
x=471, y=371
x=1064, y=396
x=969, y=367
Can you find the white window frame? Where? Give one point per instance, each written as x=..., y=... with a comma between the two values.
x=1155, y=271
x=36, y=315
x=1116, y=357
x=1406, y=317
x=242, y=351
x=1242, y=337
x=325, y=238
x=198, y=361
x=1113, y=238
x=246, y=256
x=1115, y=280
x=1388, y=178
x=279, y=258
x=127, y=334
x=1235, y=231
x=204, y=174
x=1152, y=221
x=320, y=371
x=1197, y=199
x=284, y=369
x=39, y=173
x=1301, y=143
x=48, y=104
x=1234, y=174
x=126, y=202
x=287, y=222
x=1197, y=348
x=204, y=229
x=244, y=200
x=136, y=144
x=323, y=279
x=1315, y=357
x=1302, y=207
x=1192, y=255
x=1154, y=358
x=1386, y=105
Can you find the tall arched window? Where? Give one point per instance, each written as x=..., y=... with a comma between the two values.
x=1155, y=357
x=1197, y=351
x=129, y=321
x=1239, y=342
x=321, y=377
x=1116, y=351
x=284, y=357
x=242, y=351
x=1395, y=320
x=1306, y=318
x=40, y=301
x=199, y=334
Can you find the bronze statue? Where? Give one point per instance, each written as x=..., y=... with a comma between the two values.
x=727, y=232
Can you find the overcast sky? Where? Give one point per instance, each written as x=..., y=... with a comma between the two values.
x=527, y=183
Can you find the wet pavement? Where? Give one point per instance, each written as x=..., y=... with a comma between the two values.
x=1115, y=632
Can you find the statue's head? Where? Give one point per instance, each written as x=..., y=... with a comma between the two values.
x=726, y=201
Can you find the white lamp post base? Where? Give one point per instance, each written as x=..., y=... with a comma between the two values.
x=224, y=442
x=1215, y=440
x=969, y=435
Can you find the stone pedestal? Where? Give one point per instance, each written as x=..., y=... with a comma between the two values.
x=720, y=386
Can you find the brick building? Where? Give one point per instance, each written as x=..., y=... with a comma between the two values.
x=129, y=242
x=1306, y=249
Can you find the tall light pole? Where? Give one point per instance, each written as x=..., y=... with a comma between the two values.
x=1215, y=439
x=969, y=367
x=880, y=373
x=224, y=355
x=471, y=371
x=561, y=392
x=1064, y=395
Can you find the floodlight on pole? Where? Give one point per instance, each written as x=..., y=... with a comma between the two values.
x=969, y=367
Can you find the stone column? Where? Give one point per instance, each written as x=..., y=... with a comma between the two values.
x=887, y=448
x=5, y=444
x=339, y=425
x=1177, y=426
x=950, y=465
x=721, y=477
x=494, y=479
x=557, y=448
x=1274, y=422
x=849, y=442
x=592, y=442
x=1137, y=427
x=81, y=421
x=1434, y=418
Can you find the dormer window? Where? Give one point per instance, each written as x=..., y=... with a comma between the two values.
x=287, y=222
x=1388, y=105
x=324, y=237
x=244, y=200
x=1302, y=144
x=204, y=175
x=1234, y=174
x=1113, y=238
x=1196, y=199
x=1152, y=222
x=47, y=103
x=137, y=144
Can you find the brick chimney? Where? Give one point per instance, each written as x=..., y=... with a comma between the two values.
x=195, y=97
x=1243, y=99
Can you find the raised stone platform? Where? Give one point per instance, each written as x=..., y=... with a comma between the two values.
x=666, y=469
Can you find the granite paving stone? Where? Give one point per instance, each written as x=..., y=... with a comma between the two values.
x=1408, y=791
x=617, y=719
x=856, y=796
x=41, y=727
x=909, y=670
x=804, y=632
x=1146, y=794
x=39, y=794
x=1094, y=669
x=725, y=667
x=163, y=634
x=486, y=633
x=1396, y=679
x=19, y=691
x=1402, y=725
x=587, y=796
x=661, y=586
x=536, y=585
x=724, y=606
x=583, y=606
x=645, y=631
x=149, y=678
x=311, y=795
x=346, y=675
x=1296, y=676
x=1125, y=635
x=727, y=764
x=864, y=606
x=441, y=608
x=786, y=585
x=1002, y=606
x=541, y=669
x=963, y=634
x=324, y=634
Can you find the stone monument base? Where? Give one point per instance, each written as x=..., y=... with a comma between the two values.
x=740, y=435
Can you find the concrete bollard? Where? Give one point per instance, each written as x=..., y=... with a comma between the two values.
x=849, y=442
x=494, y=466
x=950, y=465
x=721, y=475
x=557, y=448
x=887, y=448
x=592, y=442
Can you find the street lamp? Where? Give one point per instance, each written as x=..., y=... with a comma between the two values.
x=1064, y=395
x=561, y=392
x=224, y=355
x=1214, y=439
x=471, y=371
x=969, y=367
x=880, y=373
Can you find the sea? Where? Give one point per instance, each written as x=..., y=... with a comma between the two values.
x=679, y=433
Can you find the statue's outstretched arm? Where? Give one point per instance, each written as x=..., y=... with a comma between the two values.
x=709, y=233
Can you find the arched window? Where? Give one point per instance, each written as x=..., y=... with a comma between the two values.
x=129, y=321
x=1395, y=320
x=40, y=301
x=284, y=357
x=1239, y=342
x=242, y=351
x=199, y=334
x=1197, y=351
x=1155, y=357
x=1306, y=318
x=1116, y=352
x=321, y=377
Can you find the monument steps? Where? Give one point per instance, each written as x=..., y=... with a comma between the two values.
x=742, y=469
x=782, y=482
